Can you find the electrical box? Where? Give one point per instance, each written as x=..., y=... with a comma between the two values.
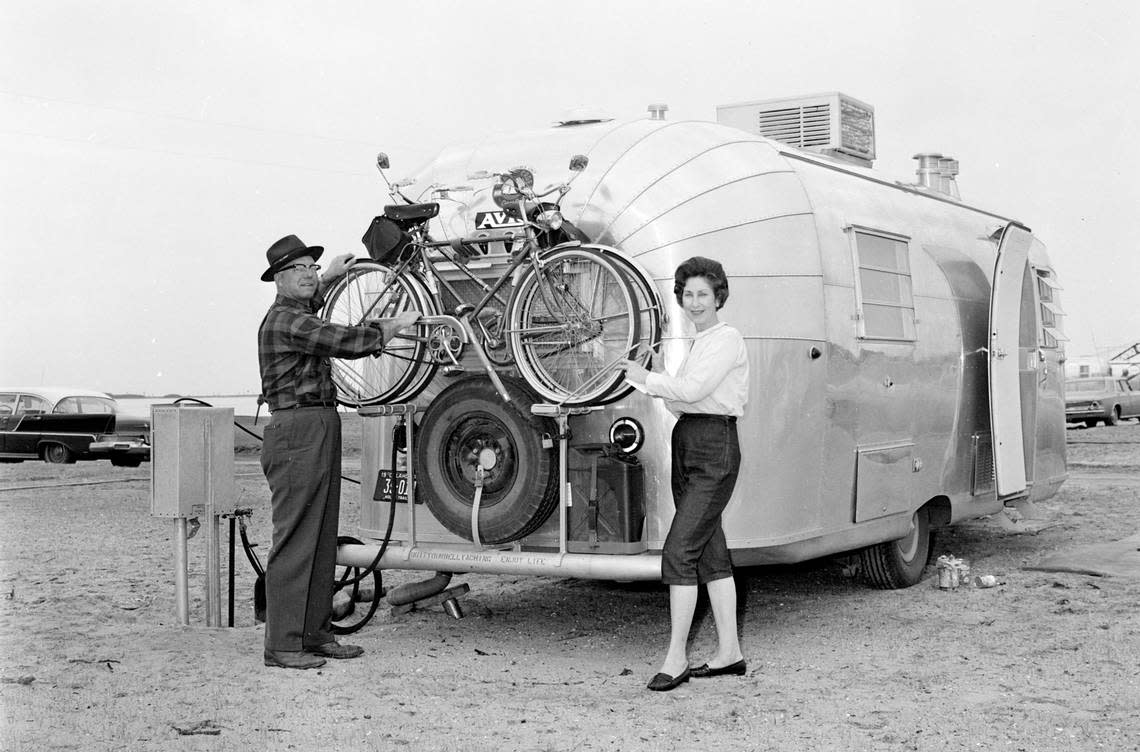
x=191, y=461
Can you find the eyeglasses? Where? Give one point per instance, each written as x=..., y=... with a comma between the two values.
x=302, y=268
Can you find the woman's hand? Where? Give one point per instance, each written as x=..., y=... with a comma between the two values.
x=634, y=371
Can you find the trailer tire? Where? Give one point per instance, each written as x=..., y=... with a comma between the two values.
x=900, y=563
x=463, y=422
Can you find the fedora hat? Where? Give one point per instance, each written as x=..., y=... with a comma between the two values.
x=286, y=250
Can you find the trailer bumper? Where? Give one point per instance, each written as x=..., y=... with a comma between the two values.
x=645, y=567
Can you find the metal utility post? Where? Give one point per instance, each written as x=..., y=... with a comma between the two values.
x=192, y=478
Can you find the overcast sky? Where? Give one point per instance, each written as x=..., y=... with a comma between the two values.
x=151, y=152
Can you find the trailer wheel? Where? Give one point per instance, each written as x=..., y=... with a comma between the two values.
x=468, y=422
x=900, y=563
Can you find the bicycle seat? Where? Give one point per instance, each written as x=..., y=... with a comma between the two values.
x=404, y=213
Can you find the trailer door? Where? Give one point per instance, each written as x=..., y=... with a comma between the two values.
x=1006, y=362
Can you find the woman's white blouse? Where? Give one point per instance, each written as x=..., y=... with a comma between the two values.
x=713, y=377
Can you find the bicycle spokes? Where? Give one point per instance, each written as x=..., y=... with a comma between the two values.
x=572, y=319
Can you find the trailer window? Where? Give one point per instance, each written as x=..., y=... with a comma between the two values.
x=883, y=286
x=1051, y=313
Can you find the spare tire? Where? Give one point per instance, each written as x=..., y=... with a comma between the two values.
x=467, y=421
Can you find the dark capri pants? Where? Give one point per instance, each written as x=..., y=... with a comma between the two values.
x=706, y=461
x=301, y=459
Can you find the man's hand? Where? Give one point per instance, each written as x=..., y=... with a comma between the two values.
x=338, y=267
x=393, y=326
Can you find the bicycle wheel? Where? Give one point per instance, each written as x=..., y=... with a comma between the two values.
x=571, y=321
x=368, y=291
x=649, y=310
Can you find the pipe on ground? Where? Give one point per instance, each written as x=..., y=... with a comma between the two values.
x=410, y=592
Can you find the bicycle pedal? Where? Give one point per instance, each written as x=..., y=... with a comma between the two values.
x=453, y=370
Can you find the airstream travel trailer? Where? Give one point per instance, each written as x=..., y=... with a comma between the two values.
x=906, y=372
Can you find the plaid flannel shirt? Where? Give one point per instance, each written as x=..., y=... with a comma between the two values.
x=294, y=346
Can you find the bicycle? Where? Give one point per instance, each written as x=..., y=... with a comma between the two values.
x=572, y=312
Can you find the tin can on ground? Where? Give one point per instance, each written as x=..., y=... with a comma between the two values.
x=944, y=578
x=950, y=571
x=985, y=581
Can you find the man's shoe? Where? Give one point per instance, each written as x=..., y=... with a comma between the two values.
x=733, y=669
x=664, y=682
x=334, y=649
x=292, y=659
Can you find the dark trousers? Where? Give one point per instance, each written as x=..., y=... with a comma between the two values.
x=706, y=461
x=301, y=459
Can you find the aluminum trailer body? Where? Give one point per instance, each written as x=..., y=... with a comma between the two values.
x=898, y=361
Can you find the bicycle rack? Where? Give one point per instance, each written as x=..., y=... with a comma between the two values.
x=562, y=414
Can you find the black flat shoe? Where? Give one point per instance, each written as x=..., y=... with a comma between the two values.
x=664, y=682
x=733, y=669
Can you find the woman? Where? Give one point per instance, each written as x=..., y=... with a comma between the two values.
x=708, y=394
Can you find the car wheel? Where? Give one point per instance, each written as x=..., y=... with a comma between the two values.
x=1113, y=417
x=58, y=454
x=900, y=563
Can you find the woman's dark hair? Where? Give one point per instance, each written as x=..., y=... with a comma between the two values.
x=713, y=273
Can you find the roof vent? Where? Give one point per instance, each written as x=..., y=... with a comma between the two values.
x=581, y=116
x=657, y=111
x=833, y=124
x=937, y=174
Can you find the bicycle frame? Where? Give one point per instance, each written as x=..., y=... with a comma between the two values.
x=433, y=279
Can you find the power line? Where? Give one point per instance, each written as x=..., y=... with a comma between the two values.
x=171, y=152
x=181, y=118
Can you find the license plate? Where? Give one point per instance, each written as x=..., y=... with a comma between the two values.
x=492, y=220
x=390, y=483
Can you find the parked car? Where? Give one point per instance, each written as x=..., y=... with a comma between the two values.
x=62, y=424
x=1107, y=399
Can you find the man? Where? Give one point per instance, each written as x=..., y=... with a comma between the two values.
x=301, y=454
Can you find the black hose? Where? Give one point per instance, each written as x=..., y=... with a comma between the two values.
x=377, y=593
x=372, y=568
x=344, y=581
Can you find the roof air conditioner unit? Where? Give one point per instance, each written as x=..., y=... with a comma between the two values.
x=831, y=123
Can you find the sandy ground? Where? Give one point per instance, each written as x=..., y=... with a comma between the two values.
x=92, y=657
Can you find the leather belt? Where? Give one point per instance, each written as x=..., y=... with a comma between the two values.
x=725, y=418
x=299, y=405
